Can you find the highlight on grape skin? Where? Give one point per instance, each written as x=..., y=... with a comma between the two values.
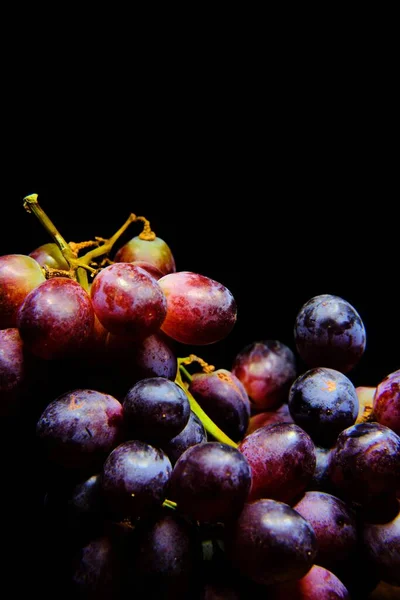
x=128, y=300
x=200, y=310
x=329, y=332
x=266, y=369
x=153, y=252
x=386, y=401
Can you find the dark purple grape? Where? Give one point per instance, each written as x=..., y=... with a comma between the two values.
x=318, y=584
x=329, y=333
x=128, y=300
x=323, y=402
x=382, y=545
x=210, y=482
x=386, y=402
x=12, y=371
x=155, y=409
x=80, y=428
x=320, y=480
x=56, y=319
x=200, y=311
x=97, y=570
x=134, y=478
x=270, y=542
x=334, y=524
x=365, y=462
x=266, y=369
x=282, y=461
x=223, y=397
x=167, y=561
x=193, y=433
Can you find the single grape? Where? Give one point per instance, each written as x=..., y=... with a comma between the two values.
x=386, y=402
x=132, y=360
x=382, y=544
x=365, y=462
x=282, y=460
x=329, y=332
x=56, y=319
x=135, y=477
x=80, y=428
x=223, y=397
x=50, y=255
x=19, y=275
x=154, y=252
x=193, y=433
x=210, y=482
x=323, y=402
x=271, y=543
x=334, y=523
x=166, y=565
x=280, y=414
x=155, y=409
x=266, y=369
x=128, y=300
x=12, y=371
x=200, y=310
x=318, y=584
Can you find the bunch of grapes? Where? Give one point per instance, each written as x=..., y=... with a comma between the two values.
x=163, y=477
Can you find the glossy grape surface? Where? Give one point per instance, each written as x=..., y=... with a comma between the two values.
x=200, y=310
x=318, y=584
x=280, y=414
x=155, y=409
x=270, y=542
x=329, y=332
x=56, y=319
x=193, y=433
x=386, y=402
x=365, y=462
x=266, y=369
x=223, y=397
x=19, y=275
x=128, y=300
x=323, y=402
x=134, y=478
x=80, y=428
x=154, y=252
x=334, y=524
x=210, y=482
x=282, y=460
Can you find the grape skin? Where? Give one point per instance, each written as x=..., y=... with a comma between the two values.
x=382, y=544
x=200, y=310
x=80, y=427
x=128, y=300
x=56, y=319
x=270, y=542
x=155, y=409
x=223, y=397
x=365, y=462
x=210, y=482
x=280, y=414
x=329, y=332
x=266, y=369
x=50, y=255
x=19, y=275
x=323, y=402
x=154, y=252
x=193, y=433
x=318, y=584
x=282, y=460
x=135, y=476
x=12, y=371
x=386, y=402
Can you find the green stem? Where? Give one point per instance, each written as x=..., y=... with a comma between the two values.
x=186, y=373
x=208, y=424
x=170, y=504
x=107, y=246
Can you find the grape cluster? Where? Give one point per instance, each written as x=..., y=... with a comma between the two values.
x=162, y=477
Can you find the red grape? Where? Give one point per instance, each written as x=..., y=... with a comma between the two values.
x=50, y=255
x=318, y=584
x=200, y=310
x=154, y=252
x=386, y=402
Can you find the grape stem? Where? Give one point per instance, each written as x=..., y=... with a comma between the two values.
x=170, y=504
x=78, y=265
x=208, y=424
